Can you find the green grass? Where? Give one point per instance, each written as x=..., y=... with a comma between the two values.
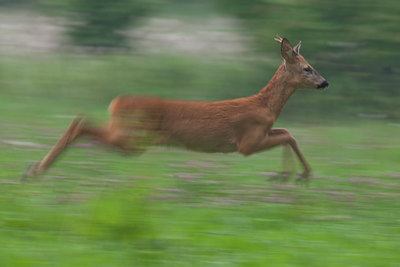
x=172, y=207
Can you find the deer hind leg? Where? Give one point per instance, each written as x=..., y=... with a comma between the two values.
x=78, y=127
x=67, y=138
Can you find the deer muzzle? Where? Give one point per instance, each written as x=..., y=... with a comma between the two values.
x=323, y=85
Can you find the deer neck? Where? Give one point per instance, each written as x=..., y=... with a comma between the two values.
x=278, y=90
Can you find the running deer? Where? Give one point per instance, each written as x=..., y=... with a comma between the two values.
x=241, y=125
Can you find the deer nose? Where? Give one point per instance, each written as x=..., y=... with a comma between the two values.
x=323, y=84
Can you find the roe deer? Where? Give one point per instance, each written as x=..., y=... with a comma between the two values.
x=243, y=124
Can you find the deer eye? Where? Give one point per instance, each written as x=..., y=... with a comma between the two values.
x=308, y=70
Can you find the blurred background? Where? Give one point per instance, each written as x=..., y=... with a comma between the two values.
x=170, y=206
x=93, y=50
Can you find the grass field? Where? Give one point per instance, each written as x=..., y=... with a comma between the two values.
x=172, y=207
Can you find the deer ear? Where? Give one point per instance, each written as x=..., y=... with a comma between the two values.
x=287, y=50
x=296, y=49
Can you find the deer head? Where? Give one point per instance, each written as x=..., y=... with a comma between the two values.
x=303, y=75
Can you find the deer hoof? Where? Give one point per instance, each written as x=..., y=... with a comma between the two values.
x=303, y=178
x=305, y=174
x=285, y=176
x=280, y=177
x=31, y=171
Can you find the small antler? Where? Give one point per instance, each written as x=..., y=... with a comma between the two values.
x=278, y=38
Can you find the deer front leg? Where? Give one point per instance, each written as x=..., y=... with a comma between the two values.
x=291, y=142
x=287, y=162
x=256, y=141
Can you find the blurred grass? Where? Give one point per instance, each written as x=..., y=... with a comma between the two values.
x=170, y=207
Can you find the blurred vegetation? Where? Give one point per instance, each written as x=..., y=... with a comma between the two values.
x=100, y=22
x=93, y=23
x=352, y=44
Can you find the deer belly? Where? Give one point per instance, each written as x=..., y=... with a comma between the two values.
x=205, y=143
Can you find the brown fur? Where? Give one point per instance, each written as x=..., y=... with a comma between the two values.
x=243, y=124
